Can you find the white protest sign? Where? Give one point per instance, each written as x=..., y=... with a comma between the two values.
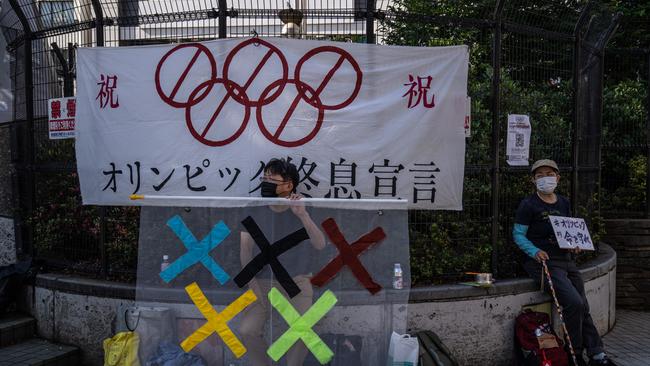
x=201, y=120
x=61, y=118
x=518, y=140
x=571, y=232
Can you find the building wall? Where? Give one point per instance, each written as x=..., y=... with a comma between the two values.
x=7, y=241
x=631, y=240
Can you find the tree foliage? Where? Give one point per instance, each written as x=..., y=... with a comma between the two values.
x=535, y=80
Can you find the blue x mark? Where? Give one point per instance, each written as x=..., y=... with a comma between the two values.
x=196, y=251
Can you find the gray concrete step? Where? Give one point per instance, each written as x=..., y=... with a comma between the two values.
x=39, y=352
x=16, y=328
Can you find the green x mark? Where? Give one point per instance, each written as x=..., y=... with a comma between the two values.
x=300, y=326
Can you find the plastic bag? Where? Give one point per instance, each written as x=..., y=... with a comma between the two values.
x=153, y=324
x=122, y=350
x=403, y=350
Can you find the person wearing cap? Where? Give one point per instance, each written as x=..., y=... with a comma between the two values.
x=534, y=235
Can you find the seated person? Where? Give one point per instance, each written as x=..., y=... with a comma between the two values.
x=533, y=233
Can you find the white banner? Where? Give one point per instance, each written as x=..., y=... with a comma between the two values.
x=201, y=119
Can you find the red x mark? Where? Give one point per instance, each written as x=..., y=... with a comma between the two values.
x=348, y=256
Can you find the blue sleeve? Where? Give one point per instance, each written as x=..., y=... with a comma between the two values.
x=519, y=234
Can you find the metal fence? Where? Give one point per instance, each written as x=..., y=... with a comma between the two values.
x=524, y=58
x=626, y=126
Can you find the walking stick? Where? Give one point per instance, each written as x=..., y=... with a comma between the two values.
x=559, y=311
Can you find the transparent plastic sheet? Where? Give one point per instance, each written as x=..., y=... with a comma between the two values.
x=350, y=319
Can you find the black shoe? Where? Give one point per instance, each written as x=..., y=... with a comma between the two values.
x=605, y=361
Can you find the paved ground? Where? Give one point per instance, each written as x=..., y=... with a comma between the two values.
x=38, y=352
x=628, y=344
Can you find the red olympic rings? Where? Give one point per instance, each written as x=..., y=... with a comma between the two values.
x=169, y=99
x=229, y=85
x=275, y=137
x=239, y=93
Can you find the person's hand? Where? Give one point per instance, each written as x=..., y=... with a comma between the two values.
x=298, y=209
x=576, y=250
x=541, y=256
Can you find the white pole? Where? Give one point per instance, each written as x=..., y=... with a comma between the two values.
x=223, y=202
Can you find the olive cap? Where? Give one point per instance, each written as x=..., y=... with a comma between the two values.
x=544, y=162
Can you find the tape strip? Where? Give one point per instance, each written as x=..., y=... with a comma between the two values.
x=269, y=255
x=197, y=251
x=349, y=256
x=217, y=322
x=300, y=327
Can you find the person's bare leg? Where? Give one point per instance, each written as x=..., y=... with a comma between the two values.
x=254, y=317
x=302, y=302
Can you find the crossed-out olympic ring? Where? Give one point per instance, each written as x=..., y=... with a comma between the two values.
x=311, y=94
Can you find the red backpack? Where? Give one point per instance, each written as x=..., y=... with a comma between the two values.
x=539, y=344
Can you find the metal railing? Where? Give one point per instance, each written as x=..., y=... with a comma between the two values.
x=524, y=58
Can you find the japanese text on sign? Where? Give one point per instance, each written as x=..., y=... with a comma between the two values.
x=342, y=179
x=571, y=232
x=201, y=119
x=61, y=118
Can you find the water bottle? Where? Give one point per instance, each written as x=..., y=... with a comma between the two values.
x=165, y=263
x=398, y=282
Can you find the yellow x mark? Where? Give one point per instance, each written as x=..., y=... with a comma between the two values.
x=217, y=322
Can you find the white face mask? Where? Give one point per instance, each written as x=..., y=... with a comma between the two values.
x=546, y=184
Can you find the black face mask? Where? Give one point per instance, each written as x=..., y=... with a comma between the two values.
x=269, y=189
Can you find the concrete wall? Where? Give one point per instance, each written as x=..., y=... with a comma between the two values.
x=83, y=320
x=476, y=324
x=480, y=331
x=631, y=240
x=80, y=320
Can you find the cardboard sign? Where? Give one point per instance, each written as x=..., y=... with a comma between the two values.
x=571, y=232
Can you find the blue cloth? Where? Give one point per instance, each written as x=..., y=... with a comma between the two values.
x=519, y=234
x=196, y=251
x=169, y=354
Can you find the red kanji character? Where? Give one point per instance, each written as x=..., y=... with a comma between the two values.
x=56, y=109
x=107, y=86
x=418, y=90
x=71, y=106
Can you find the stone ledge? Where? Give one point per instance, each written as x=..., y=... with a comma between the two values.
x=85, y=286
x=601, y=265
x=605, y=261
